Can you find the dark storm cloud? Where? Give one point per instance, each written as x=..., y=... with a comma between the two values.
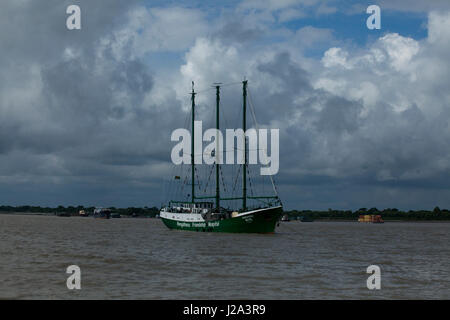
x=294, y=77
x=76, y=88
x=235, y=31
x=339, y=116
x=78, y=94
x=37, y=29
x=72, y=111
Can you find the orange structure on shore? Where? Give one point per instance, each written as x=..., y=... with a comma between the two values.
x=372, y=218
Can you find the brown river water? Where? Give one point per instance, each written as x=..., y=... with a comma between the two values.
x=142, y=259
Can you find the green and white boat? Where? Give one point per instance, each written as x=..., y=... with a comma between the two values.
x=204, y=213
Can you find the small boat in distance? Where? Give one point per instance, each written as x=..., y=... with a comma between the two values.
x=83, y=213
x=102, y=213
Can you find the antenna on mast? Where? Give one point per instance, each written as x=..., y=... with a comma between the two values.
x=217, y=153
x=192, y=145
x=244, y=128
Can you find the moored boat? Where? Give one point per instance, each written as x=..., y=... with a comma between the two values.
x=83, y=213
x=101, y=213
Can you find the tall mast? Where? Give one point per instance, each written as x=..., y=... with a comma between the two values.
x=244, y=165
x=192, y=143
x=217, y=149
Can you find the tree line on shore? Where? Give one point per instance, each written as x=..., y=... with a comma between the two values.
x=387, y=214
x=72, y=210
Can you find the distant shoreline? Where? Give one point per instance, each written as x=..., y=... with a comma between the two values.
x=356, y=220
x=48, y=214
x=27, y=213
x=387, y=214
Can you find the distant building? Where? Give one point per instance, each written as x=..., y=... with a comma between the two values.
x=370, y=218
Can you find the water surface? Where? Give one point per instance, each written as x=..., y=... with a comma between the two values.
x=142, y=259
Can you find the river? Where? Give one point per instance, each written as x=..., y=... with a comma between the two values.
x=142, y=259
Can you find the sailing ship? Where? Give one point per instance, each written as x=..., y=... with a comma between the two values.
x=206, y=213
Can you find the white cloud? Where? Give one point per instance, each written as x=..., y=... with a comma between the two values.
x=336, y=57
x=210, y=61
x=414, y=6
x=439, y=28
x=275, y=4
x=290, y=14
x=400, y=50
x=284, y=10
x=159, y=29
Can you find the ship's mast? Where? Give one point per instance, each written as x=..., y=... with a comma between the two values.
x=217, y=148
x=244, y=165
x=192, y=144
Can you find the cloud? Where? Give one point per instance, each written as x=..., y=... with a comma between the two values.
x=401, y=130
x=369, y=116
x=74, y=107
x=285, y=10
x=325, y=9
x=274, y=4
x=314, y=37
x=414, y=6
x=90, y=113
x=162, y=29
x=439, y=29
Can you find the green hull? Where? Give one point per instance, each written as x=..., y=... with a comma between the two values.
x=258, y=221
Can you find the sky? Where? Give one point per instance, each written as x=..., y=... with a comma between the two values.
x=86, y=115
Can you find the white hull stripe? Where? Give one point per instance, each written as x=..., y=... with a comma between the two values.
x=196, y=217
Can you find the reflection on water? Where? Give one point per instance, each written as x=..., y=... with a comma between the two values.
x=142, y=259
